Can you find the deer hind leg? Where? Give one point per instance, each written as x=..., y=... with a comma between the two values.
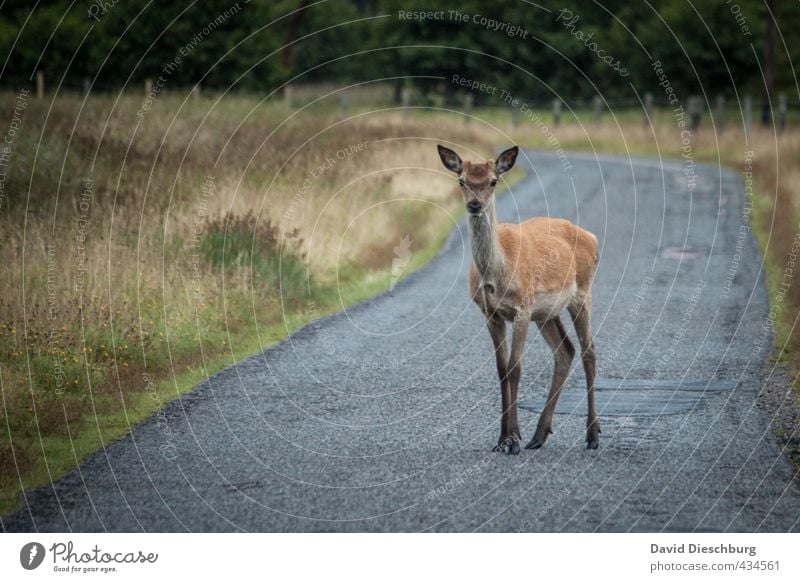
x=581, y=317
x=506, y=442
x=563, y=352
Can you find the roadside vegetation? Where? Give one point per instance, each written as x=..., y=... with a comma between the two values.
x=143, y=253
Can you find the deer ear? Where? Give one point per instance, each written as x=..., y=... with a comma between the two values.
x=506, y=160
x=450, y=159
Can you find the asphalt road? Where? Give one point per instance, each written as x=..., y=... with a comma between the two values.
x=382, y=418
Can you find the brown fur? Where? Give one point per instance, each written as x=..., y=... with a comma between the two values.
x=544, y=254
x=522, y=272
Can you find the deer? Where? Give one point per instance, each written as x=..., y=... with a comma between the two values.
x=530, y=271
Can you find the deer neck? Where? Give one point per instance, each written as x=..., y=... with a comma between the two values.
x=486, y=250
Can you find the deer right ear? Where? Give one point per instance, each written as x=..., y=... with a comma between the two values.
x=506, y=160
x=450, y=159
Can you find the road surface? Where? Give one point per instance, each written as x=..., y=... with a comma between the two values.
x=382, y=417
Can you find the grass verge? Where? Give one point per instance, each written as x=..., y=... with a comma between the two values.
x=143, y=253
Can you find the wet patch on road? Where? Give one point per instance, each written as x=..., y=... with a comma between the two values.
x=634, y=397
x=680, y=253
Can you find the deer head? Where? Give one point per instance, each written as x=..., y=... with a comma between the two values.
x=478, y=179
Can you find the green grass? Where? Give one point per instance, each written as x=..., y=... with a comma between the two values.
x=229, y=244
x=244, y=305
x=762, y=213
x=59, y=453
x=181, y=278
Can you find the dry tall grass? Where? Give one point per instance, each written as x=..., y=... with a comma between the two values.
x=136, y=247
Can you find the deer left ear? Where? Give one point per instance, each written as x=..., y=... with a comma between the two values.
x=506, y=160
x=450, y=159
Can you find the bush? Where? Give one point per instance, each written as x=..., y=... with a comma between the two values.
x=273, y=261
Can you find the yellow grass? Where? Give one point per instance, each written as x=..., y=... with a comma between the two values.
x=212, y=228
x=138, y=251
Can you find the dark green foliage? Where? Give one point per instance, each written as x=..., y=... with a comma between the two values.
x=704, y=45
x=185, y=42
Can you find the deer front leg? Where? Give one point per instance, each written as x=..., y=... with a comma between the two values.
x=519, y=332
x=497, y=329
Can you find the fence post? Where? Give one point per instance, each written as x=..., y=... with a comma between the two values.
x=556, y=112
x=405, y=98
x=40, y=84
x=648, y=108
x=514, y=116
x=748, y=114
x=343, y=104
x=87, y=85
x=598, y=109
x=695, y=107
x=288, y=95
x=148, y=87
x=781, y=112
x=469, y=100
x=196, y=91
x=719, y=109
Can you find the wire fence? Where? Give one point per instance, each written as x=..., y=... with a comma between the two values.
x=779, y=111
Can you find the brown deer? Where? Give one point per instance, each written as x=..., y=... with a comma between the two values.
x=527, y=272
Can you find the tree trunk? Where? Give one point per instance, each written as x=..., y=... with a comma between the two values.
x=769, y=58
x=287, y=52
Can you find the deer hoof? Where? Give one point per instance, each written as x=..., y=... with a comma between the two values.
x=534, y=444
x=509, y=445
x=593, y=436
x=538, y=439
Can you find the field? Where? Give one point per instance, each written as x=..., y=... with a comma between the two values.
x=143, y=253
x=146, y=249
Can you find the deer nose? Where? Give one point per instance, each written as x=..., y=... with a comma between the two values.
x=474, y=207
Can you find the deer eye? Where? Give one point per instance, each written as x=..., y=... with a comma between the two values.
x=461, y=181
x=493, y=183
